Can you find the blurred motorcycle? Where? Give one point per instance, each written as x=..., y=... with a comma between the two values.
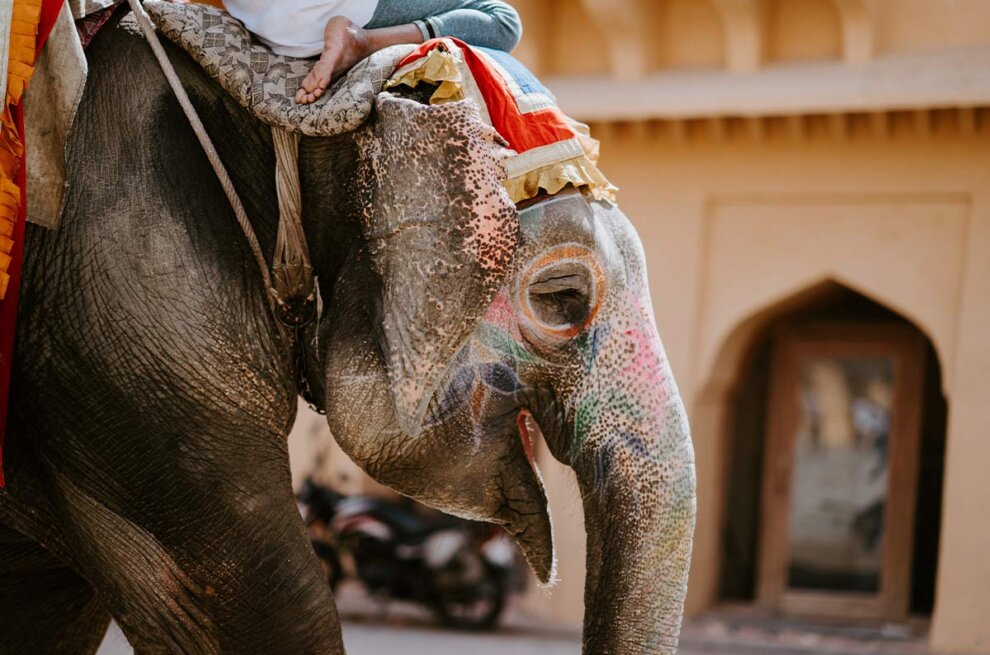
x=460, y=569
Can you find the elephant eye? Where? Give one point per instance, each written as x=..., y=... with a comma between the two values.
x=560, y=292
x=561, y=298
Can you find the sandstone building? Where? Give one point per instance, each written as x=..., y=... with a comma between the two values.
x=811, y=182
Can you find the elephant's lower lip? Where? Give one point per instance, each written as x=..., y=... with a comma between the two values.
x=525, y=436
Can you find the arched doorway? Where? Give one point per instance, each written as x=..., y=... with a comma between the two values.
x=836, y=439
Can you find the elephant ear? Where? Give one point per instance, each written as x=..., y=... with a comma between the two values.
x=441, y=233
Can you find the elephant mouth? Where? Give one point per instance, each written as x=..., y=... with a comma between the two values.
x=502, y=443
x=529, y=522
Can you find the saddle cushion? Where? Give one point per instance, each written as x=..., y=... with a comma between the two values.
x=265, y=83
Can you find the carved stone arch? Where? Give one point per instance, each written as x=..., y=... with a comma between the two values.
x=748, y=27
x=744, y=33
x=642, y=35
x=732, y=349
x=800, y=30
x=691, y=35
x=714, y=417
x=858, y=38
x=627, y=26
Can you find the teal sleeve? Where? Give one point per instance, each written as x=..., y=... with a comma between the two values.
x=485, y=23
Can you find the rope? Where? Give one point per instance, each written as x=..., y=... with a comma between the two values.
x=144, y=22
x=293, y=270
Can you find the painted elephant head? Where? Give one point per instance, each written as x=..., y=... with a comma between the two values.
x=484, y=320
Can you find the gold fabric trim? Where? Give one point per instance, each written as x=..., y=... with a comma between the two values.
x=547, y=169
x=578, y=172
x=438, y=67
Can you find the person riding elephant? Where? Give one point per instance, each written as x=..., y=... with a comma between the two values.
x=147, y=468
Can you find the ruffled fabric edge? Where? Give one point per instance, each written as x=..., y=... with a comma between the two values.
x=25, y=17
x=441, y=68
x=578, y=172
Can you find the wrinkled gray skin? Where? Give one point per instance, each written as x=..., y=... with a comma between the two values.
x=147, y=469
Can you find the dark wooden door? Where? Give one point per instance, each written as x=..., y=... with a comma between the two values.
x=841, y=470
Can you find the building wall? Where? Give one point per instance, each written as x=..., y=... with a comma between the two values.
x=692, y=34
x=739, y=213
x=731, y=229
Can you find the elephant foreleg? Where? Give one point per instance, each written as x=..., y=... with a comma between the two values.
x=45, y=606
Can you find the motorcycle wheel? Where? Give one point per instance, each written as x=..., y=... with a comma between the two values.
x=473, y=606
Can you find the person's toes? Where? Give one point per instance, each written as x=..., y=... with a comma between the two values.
x=322, y=74
x=309, y=82
x=317, y=92
x=304, y=97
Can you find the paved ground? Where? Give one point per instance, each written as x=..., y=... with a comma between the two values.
x=368, y=639
x=374, y=629
x=703, y=638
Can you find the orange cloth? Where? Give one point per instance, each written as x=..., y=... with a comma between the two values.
x=31, y=22
x=23, y=44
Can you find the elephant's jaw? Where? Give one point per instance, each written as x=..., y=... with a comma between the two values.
x=449, y=465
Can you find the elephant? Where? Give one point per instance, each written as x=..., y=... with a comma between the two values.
x=146, y=457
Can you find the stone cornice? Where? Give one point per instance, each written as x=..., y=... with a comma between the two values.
x=916, y=81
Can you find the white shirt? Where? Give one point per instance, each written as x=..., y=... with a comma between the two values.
x=295, y=27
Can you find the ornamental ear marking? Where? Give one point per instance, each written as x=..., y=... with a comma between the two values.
x=441, y=246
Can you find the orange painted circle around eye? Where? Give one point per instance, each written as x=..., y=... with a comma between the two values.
x=569, y=252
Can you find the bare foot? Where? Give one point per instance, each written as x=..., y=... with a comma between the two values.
x=344, y=44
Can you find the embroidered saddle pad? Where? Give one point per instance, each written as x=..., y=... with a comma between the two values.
x=265, y=83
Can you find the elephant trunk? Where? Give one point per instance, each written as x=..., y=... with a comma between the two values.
x=632, y=453
x=639, y=547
